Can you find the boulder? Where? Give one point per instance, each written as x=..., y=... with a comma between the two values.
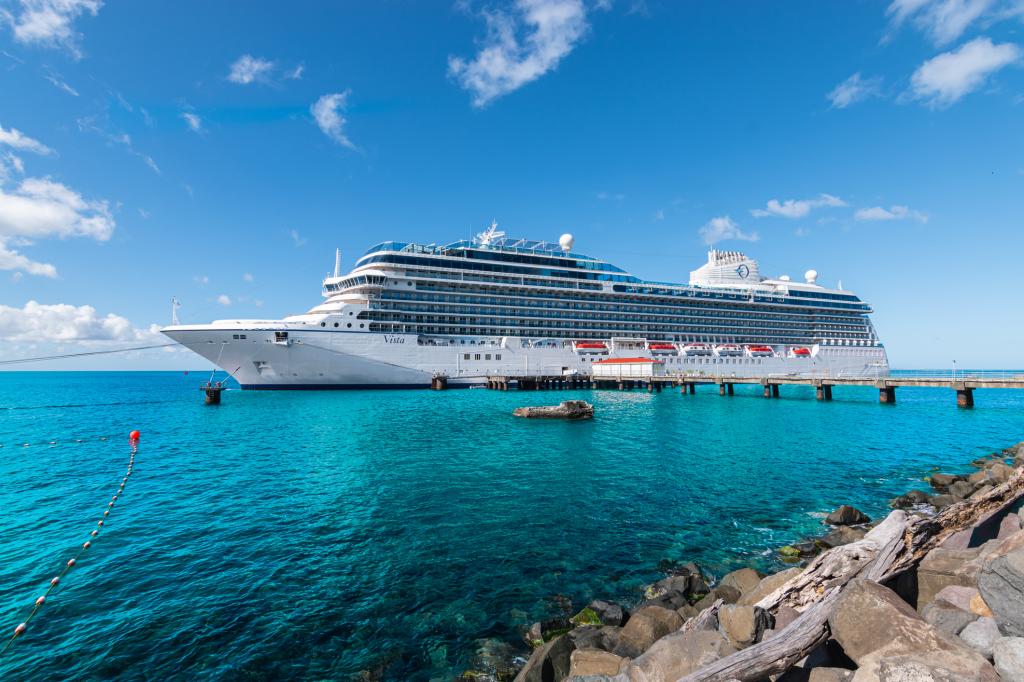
x=1008, y=653
x=982, y=491
x=784, y=615
x=909, y=499
x=644, y=627
x=687, y=612
x=1002, y=586
x=594, y=662
x=549, y=663
x=846, y=515
x=590, y=637
x=1009, y=525
x=981, y=635
x=942, y=567
x=727, y=593
x=768, y=585
x=958, y=596
x=942, y=501
x=743, y=625
x=678, y=655
x=843, y=535
x=587, y=616
x=679, y=587
x=829, y=675
x=947, y=617
x=942, y=481
x=609, y=613
x=1000, y=472
x=888, y=640
x=744, y=580
x=567, y=409
x=961, y=490
x=980, y=477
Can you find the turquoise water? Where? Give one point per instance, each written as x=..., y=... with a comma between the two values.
x=306, y=535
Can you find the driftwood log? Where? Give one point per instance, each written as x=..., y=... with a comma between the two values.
x=893, y=547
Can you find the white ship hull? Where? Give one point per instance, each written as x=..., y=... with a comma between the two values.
x=328, y=359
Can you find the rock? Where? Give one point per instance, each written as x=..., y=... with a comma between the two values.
x=548, y=663
x=1008, y=653
x=644, y=627
x=961, y=490
x=586, y=617
x=676, y=591
x=942, y=481
x=744, y=580
x=590, y=637
x=843, y=535
x=947, y=617
x=1008, y=526
x=784, y=615
x=1002, y=586
x=727, y=593
x=942, y=501
x=982, y=491
x=1000, y=472
x=680, y=654
x=768, y=585
x=846, y=515
x=942, y=567
x=980, y=477
x=534, y=636
x=830, y=675
x=958, y=595
x=687, y=612
x=981, y=635
x=609, y=613
x=743, y=625
x=594, y=662
x=567, y=409
x=909, y=499
x=889, y=641
x=979, y=607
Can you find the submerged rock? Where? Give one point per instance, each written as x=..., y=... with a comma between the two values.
x=567, y=409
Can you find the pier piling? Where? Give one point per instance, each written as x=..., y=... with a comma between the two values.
x=964, y=395
x=212, y=391
x=887, y=395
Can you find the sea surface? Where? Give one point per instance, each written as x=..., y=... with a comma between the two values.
x=409, y=535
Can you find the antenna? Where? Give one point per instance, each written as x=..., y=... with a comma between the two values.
x=490, y=234
x=337, y=262
x=175, y=304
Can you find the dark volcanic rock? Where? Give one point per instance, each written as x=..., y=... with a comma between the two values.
x=846, y=515
x=909, y=499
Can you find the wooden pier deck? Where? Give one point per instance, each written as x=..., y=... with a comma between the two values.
x=963, y=387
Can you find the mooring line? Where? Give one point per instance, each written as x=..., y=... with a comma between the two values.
x=133, y=439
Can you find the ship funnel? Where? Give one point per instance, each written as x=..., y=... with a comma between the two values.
x=337, y=262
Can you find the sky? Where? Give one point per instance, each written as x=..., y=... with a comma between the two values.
x=220, y=152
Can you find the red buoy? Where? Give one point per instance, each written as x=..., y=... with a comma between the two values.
x=134, y=436
x=71, y=562
x=39, y=602
x=56, y=579
x=86, y=545
x=20, y=629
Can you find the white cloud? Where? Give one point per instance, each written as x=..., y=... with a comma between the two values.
x=298, y=239
x=61, y=85
x=722, y=228
x=90, y=124
x=39, y=208
x=520, y=47
x=796, y=208
x=248, y=69
x=14, y=138
x=854, y=89
x=328, y=114
x=944, y=79
x=247, y=277
x=195, y=123
x=49, y=22
x=296, y=73
x=36, y=322
x=224, y=299
x=943, y=20
x=891, y=213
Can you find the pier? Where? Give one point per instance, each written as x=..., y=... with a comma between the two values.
x=962, y=386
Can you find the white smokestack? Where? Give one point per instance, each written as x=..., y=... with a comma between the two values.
x=337, y=262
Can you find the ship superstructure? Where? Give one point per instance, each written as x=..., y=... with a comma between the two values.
x=513, y=307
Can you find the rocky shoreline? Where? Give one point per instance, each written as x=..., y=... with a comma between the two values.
x=935, y=591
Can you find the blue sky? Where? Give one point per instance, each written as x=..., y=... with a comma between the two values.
x=219, y=152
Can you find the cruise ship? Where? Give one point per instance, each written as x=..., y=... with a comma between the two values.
x=498, y=306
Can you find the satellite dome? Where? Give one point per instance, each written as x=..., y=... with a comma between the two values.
x=811, y=276
x=566, y=241
x=783, y=278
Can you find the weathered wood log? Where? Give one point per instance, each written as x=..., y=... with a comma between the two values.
x=895, y=546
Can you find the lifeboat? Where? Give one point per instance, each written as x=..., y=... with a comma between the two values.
x=591, y=347
x=728, y=350
x=799, y=352
x=662, y=347
x=760, y=351
x=695, y=349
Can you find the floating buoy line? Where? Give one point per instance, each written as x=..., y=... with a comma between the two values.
x=55, y=441
x=133, y=439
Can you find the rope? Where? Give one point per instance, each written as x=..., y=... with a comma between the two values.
x=18, y=631
x=80, y=355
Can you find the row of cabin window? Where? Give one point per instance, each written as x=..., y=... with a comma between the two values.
x=476, y=356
